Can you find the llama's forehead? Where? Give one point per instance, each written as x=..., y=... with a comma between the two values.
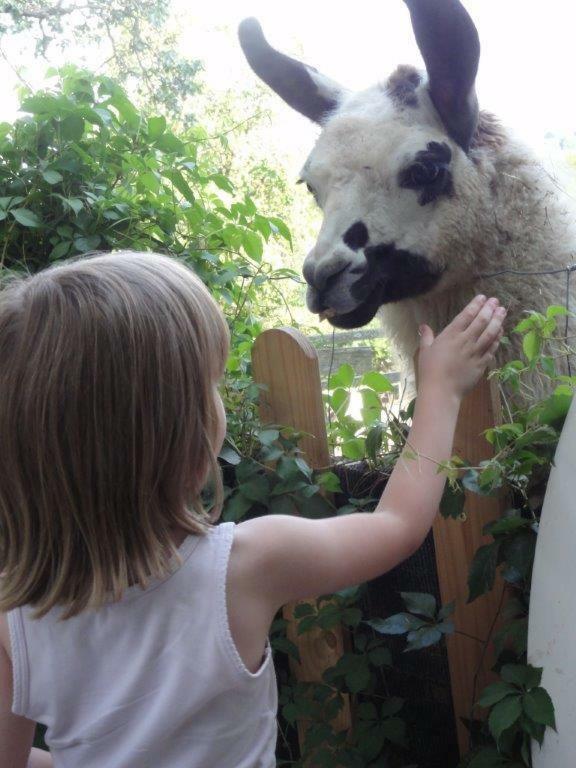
x=375, y=128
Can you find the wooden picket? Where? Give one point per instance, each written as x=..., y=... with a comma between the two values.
x=287, y=364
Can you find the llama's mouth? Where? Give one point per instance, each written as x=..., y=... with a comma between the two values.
x=358, y=317
x=391, y=275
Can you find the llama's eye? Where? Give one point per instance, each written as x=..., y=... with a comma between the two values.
x=311, y=189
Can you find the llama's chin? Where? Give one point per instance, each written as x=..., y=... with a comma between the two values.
x=358, y=317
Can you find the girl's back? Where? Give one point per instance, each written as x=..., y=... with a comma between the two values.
x=153, y=680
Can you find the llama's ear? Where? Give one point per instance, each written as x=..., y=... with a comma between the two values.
x=448, y=41
x=301, y=86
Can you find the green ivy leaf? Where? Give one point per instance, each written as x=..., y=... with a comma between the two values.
x=156, y=127
x=420, y=603
x=72, y=128
x=329, y=482
x=523, y=675
x=87, y=243
x=531, y=344
x=268, y=436
x=60, y=250
x=26, y=217
x=377, y=381
x=394, y=730
x=483, y=570
x=398, y=624
x=446, y=610
x=538, y=706
x=344, y=377
x=422, y=638
x=256, y=489
x=495, y=692
x=392, y=706
x=236, y=507
x=453, y=500
x=282, y=229
x=504, y=715
x=229, y=455
x=52, y=177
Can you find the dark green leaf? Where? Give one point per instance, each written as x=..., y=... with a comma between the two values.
x=392, y=706
x=521, y=674
x=446, y=610
x=494, y=693
x=394, y=731
x=422, y=638
x=377, y=381
x=230, y=455
x=256, y=489
x=72, y=128
x=504, y=714
x=398, y=624
x=60, y=250
x=453, y=500
x=51, y=177
x=538, y=706
x=483, y=570
x=26, y=217
x=420, y=602
x=156, y=126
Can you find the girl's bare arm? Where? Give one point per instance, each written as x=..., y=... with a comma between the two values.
x=281, y=558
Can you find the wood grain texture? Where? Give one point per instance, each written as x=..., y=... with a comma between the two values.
x=455, y=543
x=287, y=364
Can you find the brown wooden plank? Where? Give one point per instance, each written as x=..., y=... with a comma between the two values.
x=285, y=361
x=455, y=543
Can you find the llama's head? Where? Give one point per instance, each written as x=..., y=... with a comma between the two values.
x=390, y=169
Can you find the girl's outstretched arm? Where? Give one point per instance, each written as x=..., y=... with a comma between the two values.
x=277, y=559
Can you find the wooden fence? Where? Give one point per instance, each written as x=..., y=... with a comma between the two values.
x=287, y=364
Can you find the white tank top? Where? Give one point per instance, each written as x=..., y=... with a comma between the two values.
x=152, y=681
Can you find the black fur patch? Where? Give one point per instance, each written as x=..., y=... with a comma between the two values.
x=429, y=173
x=392, y=274
x=356, y=236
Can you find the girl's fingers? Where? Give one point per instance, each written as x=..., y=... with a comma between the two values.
x=489, y=356
x=465, y=318
x=492, y=332
x=482, y=319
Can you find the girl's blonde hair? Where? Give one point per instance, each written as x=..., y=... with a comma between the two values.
x=108, y=419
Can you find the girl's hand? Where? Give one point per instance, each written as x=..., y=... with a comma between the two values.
x=456, y=359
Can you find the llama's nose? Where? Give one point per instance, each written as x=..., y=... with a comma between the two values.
x=317, y=273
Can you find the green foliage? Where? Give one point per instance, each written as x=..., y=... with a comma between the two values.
x=133, y=38
x=377, y=435
x=423, y=624
x=84, y=169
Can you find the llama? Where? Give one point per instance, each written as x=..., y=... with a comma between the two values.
x=425, y=197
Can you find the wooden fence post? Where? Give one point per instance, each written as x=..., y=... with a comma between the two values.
x=455, y=545
x=285, y=361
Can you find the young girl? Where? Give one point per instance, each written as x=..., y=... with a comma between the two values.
x=134, y=628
